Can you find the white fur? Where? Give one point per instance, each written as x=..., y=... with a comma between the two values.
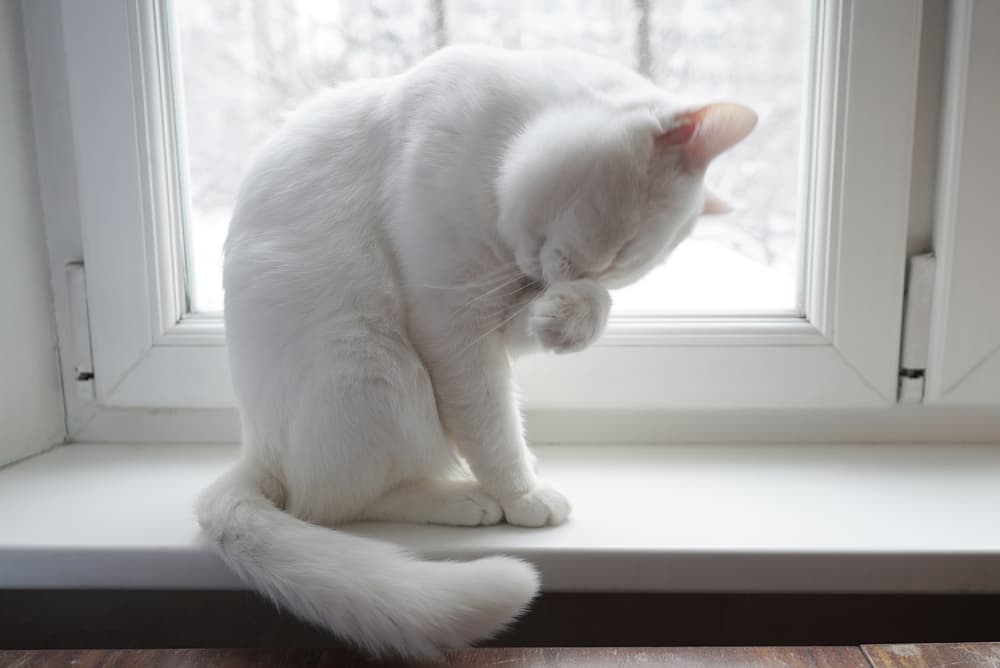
x=391, y=248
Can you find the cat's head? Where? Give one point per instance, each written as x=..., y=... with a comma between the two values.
x=607, y=195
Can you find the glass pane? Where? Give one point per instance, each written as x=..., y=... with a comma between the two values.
x=245, y=64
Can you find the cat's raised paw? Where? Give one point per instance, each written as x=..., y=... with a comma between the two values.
x=541, y=506
x=569, y=316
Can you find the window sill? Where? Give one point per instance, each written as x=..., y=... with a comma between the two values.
x=733, y=518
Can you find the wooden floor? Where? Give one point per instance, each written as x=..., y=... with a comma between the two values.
x=865, y=656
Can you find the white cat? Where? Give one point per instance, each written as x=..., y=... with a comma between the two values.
x=391, y=248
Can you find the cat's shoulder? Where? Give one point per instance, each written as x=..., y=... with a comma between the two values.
x=464, y=62
x=470, y=57
x=474, y=62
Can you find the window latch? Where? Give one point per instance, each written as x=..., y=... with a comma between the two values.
x=916, y=328
x=83, y=358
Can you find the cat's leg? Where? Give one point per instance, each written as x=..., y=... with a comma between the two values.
x=436, y=501
x=476, y=397
x=477, y=403
x=359, y=421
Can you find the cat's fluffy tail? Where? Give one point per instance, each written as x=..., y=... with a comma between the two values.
x=372, y=594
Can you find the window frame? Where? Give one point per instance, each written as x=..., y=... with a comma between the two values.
x=964, y=347
x=842, y=354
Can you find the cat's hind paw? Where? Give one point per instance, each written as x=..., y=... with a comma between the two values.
x=542, y=506
x=472, y=509
x=452, y=502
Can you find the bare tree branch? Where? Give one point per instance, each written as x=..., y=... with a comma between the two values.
x=643, y=53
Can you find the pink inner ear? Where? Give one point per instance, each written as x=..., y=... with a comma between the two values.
x=715, y=205
x=705, y=133
x=681, y=132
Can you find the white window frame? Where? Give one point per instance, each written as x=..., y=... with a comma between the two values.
x=842, y=354
x=964, y=356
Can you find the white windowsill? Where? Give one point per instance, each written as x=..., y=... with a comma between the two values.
x=733, y=518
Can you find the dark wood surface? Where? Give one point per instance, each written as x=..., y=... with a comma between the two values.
x=933, y=656
x=70, y=619
x=867, y=656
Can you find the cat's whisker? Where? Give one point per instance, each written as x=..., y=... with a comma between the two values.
x=501, y=274
x=501, y=286
x=521, y=288
x=467, y=286
x=518, y=311
x=500, y=271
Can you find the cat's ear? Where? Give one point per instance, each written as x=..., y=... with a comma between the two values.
x=702, y=134
x=714, y=205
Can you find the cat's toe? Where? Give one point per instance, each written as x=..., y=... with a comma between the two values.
x=569, y=316
x=490, y=511
x=541, y=506
x=555, y=335
x=472, y=509
x=560, y=333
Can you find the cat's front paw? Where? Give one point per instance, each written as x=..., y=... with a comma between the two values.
x=569, y=316
x=542, y=505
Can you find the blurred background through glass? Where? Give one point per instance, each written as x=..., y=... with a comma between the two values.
x=244, y=65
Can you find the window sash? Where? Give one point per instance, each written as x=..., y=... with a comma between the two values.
x=964, y=357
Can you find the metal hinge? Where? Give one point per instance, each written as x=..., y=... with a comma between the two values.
x=83, y=358
x=916, y=328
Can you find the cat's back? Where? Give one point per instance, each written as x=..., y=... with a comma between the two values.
x=330, y=148
x=304, y=244
x=464, y=76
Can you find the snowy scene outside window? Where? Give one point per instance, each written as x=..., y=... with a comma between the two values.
x=243, y=65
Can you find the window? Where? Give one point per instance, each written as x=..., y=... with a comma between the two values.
x=132, y=206
x=242, y=67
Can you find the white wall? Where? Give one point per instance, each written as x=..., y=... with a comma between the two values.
x=31, y=413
